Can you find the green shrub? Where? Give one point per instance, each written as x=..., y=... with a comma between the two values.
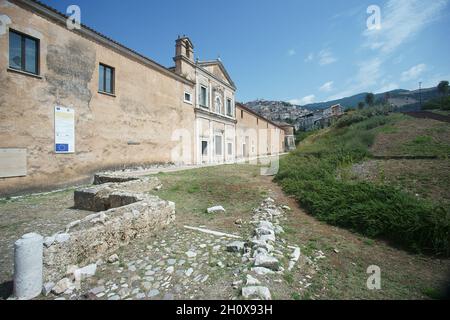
x=446, y=104
x=374, y=122
x=442, y=103
x=349, y=119
x=302, y=135
x=362, y=115
x=377, y=211
x=422, y=140
x=431, y=105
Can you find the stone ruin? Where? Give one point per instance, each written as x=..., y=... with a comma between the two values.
x=123, y=211
x=263, y=250
x=113, y=191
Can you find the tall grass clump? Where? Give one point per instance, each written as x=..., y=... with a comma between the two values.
x=374, y=210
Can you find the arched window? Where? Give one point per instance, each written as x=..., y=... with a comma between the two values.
x=188, y=51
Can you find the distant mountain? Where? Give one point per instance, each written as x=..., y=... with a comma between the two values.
x=399, y=97
x=404, y=100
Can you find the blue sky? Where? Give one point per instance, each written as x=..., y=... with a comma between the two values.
x=292, y=50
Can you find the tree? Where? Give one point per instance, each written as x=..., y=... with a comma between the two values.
x=387, y=96
x=370, y=99
x=443, y=90
x=361, y=105
x=443, y=87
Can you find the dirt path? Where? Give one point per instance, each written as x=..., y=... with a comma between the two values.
x=428, y=115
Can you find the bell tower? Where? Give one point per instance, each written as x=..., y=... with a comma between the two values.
x=184, y=56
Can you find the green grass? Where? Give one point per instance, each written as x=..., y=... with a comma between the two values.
x=296, y=296
x=352, y=141
x=374, y=210
x=442, y=112
x=426, y=145
x=368, y=242
x=389, y=129
x=433, y=293
x=38, y=197
x=302, y=135
x=194, y=191
x=289, y=278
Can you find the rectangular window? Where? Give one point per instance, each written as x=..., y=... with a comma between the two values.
x=229, y=108
x=23, y=52
x=106, y=79
x=187, y=97
x=205, y=148
x=230, y=149
x=242, y=114
x=203, y=97
x=218, y=145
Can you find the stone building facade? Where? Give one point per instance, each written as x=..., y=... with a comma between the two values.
x=213, y=99
x=289, y=133
x=256, y=135
x=127, y=109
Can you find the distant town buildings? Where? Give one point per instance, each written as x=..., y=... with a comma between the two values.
x=277, y=110
x=334, y=111
x=300, y=118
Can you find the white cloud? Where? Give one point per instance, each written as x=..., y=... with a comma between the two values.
x=434, y=80
x=326, y=57
x=387, y=87
x=414, y=72
x=295, y=101
x=291, y=52
x=305, y=100
x=402, y=20
x=368, y=76
x=327, y=87
x=310, y=57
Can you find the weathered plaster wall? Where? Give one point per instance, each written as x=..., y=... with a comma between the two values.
x=263, y=137
x=146, y=110
x=247, y=131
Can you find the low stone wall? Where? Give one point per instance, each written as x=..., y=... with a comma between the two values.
x=102, y=178
x=98, y=235
x=110, y=195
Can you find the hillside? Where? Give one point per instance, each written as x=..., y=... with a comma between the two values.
x=352, y=102
x=380, y=174
x=407, y=100
x=398, y=97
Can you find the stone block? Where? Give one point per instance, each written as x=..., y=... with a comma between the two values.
x=236, y=246
x=266, y=261
x=256, y=292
